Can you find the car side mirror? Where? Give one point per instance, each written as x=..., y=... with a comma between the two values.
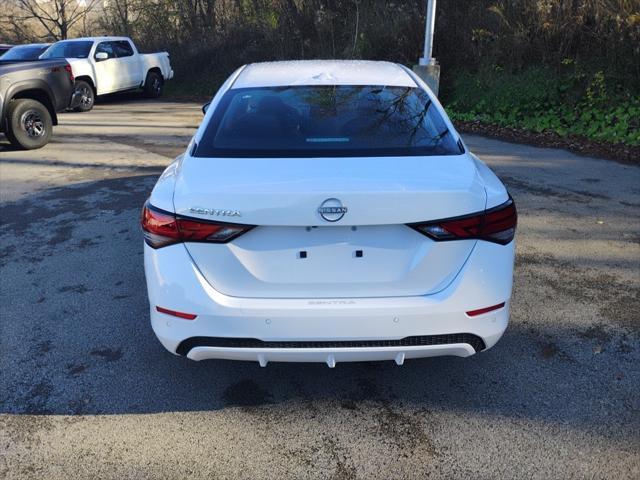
x=101, y=56
x=205, y=107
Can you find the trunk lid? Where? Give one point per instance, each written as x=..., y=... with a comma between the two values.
x=295, y=253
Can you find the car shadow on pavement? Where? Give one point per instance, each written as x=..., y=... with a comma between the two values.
x=5, y=146
x=122, y=97
x=76, y=339
x=65, y=164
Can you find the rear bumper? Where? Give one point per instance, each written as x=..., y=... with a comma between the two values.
x=76, y=97
x=329, y=356
x=175, y=283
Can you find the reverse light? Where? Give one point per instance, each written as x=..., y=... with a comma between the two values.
x=161, y=228
x=174, y=313
x=480, y=311
x=497, y=225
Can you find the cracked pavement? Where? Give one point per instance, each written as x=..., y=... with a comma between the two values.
x=86, y=390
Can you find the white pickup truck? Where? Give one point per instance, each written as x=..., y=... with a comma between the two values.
x=104, y=65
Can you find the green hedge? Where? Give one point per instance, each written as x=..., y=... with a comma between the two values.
x=570, y=102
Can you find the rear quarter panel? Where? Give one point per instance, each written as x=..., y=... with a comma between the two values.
x=155, y=60
x=496, y=191
x=48, y=77
x=83, y=67
x=162, y=194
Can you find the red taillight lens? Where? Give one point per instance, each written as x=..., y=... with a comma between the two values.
x=162, y=228
x=496, y=225
x=196, y=231
x=67, y=67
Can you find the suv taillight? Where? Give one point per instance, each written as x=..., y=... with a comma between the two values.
x=67, y=67
x=497, y=225
x=163, y=228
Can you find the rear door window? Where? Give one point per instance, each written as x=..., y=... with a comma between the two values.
x=122, y=49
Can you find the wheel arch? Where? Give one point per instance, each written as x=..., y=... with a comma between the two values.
x=89, y=80
x=39, y=95
x=154, y=70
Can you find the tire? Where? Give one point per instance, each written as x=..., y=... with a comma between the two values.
x=153, y=85
x=87, y=96
x=29, y=124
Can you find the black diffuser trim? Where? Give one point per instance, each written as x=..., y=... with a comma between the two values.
x=229, y=342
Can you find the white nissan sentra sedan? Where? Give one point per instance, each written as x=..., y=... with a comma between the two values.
x=328, y=211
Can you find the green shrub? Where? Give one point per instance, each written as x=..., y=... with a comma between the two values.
x=569, y=102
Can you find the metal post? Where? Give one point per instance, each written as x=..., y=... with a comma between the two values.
x=427, y=58
x=427, y=68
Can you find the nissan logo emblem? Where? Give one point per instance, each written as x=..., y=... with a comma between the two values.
x=332, y=210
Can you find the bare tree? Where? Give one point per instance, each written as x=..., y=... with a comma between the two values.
x=57, y=17
x=13, y=30
x=117, y=16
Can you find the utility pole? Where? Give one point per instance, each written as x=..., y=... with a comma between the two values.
x=427, y=68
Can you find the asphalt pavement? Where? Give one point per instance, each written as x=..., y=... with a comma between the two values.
x=86, y=390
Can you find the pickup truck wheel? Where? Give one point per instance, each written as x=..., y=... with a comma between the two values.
x=153, y=85
x=87, y=96
x=29, y=124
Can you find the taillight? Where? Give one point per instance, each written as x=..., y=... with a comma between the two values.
x=497, y=225
x=67, y=67
x=162, y=228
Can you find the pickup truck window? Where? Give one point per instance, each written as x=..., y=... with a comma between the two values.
x=68, y=49
x=106, y=47
x=123, y=48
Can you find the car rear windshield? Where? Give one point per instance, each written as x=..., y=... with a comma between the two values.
x=326, y=121
x=69, y=49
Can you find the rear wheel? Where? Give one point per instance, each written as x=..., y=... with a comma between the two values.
x=87, y=96
x=29, y=124
x=153, y=85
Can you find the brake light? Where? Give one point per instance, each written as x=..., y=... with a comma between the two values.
x=67, y=67
x=162, y=228
x=497, y=225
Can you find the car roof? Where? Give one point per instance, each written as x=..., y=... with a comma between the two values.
x=32, y=45
x=323, y=72
x=94, y=39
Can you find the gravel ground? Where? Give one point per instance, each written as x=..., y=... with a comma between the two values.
x=86, y=391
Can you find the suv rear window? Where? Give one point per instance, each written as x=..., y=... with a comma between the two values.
x=326, y=121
